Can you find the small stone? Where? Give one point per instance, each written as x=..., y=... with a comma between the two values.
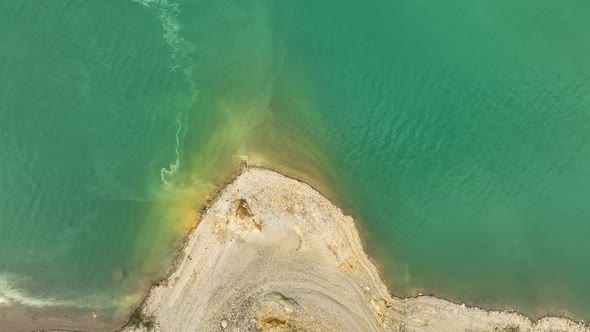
x=224, y=323
x=94, y=315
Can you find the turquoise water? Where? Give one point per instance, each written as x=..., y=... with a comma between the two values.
x=90, y=112
x=456, y=132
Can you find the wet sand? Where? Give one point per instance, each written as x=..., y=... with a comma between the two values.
x=21, y=318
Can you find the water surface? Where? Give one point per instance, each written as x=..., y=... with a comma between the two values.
x=456, y=132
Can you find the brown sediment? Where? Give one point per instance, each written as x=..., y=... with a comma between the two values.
x=22, y=318
x=305, y=270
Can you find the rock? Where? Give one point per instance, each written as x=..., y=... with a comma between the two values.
x=224, y=323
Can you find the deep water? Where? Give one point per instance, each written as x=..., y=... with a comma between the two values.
x=456, y=132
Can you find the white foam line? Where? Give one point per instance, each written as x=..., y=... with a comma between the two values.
x=11, y=294
x=173, y=167
x=182, y=60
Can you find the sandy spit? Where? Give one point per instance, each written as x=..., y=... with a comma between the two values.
x=272, y=254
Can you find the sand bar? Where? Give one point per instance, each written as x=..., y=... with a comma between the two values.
x=272, y=254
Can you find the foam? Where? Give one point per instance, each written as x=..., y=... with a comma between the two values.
x=182, y=62
x=173, y=167
x=10, y=293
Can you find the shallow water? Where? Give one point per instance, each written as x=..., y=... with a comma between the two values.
x=456, y=132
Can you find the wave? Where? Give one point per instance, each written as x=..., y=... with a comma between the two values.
x=182, y=59
x=11, y=293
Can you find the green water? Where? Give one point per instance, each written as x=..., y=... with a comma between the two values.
x=456, y=132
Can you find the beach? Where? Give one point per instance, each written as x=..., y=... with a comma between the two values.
x=270, y=253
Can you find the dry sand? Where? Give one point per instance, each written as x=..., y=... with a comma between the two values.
x=272, y=254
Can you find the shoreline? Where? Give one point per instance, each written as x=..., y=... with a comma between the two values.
x=425, y=304
x=422, y=303
x=359, y=228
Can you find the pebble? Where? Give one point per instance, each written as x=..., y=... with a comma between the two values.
x=224, y=323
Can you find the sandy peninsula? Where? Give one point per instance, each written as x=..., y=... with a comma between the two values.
x=272, y=254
